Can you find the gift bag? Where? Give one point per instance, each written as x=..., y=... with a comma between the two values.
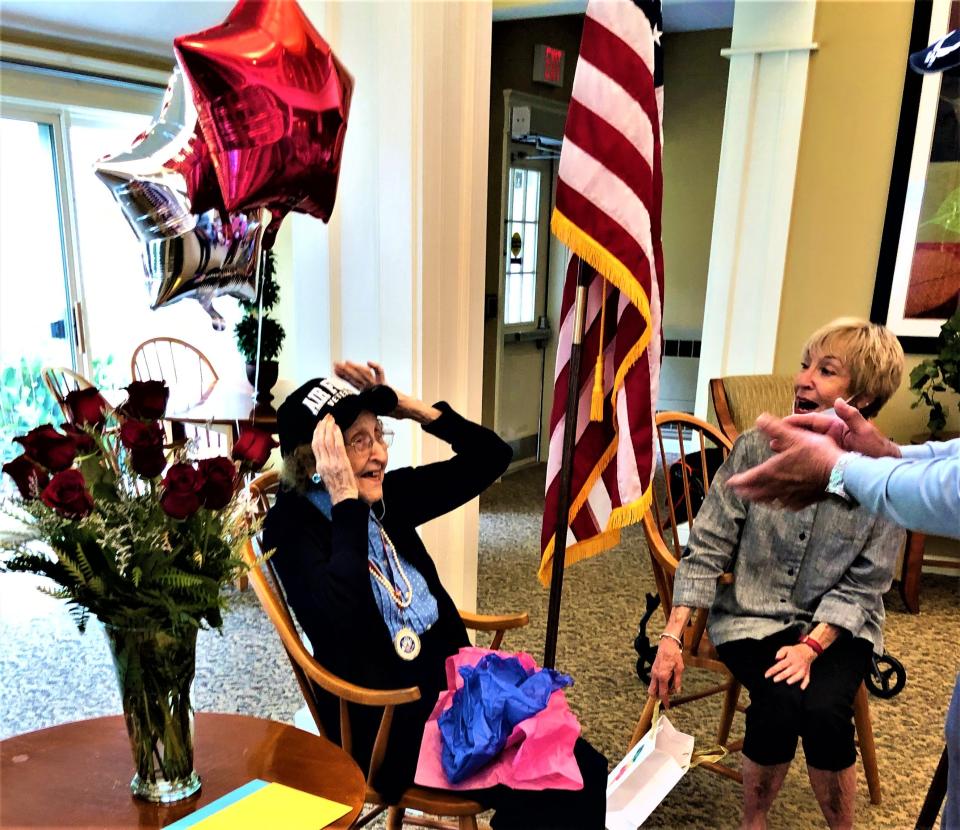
x=538, y=753
x=649, y=771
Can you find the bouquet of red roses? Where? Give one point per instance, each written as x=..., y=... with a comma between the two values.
x=130, y=528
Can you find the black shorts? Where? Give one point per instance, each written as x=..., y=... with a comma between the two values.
x=821, y=715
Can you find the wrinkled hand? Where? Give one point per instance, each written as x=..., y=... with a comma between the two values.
x=797, y=475
x=362, y=377
x=333, y=464
x=793, y=665
x=359, y=376
x=848, y=428
x=667, y=671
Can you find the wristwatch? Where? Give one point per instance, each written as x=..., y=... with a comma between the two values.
x=835, y=484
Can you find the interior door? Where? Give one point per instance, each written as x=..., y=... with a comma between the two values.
x=524, y=324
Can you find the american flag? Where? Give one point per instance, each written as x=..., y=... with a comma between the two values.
x=609, y=196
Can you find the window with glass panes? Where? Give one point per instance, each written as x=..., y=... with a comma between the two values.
x=522, y=229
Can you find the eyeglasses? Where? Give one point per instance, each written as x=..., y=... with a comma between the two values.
x=362, y=444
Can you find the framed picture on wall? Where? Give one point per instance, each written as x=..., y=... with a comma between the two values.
x=918, y=273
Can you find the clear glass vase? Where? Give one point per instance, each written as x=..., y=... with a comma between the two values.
x=155, y=671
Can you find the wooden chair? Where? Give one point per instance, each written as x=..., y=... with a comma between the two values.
x=310, y=675
x=190, y=375
x=663, y=536
x=666, y=537
x=61, y=381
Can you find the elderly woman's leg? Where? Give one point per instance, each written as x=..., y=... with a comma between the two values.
x=836, y=794
x=760, y=787
x=827, y=731
x=773, y=722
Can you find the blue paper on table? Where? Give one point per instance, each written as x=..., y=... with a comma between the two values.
x=497, y=694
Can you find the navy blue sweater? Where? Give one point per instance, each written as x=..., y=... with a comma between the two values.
x=323, y=567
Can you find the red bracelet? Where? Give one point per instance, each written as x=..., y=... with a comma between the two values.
x=807, y=640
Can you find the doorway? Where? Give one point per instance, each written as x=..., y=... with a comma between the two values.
x=525, y=338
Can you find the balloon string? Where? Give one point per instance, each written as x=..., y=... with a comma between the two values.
x=260, y=281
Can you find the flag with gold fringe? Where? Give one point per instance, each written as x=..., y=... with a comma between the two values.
x=608, y=206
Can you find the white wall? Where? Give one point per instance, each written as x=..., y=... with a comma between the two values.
x=397, y=276
x=766, y=92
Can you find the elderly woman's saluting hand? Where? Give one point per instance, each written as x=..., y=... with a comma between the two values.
x=333, y=465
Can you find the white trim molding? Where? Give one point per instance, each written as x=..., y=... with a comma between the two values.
x=766, y=93
x=60, y=61
x=451, y=129
x=398, y=274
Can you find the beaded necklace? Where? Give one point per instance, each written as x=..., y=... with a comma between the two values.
x=404, y=599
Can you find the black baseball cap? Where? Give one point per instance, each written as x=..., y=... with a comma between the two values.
x=309, y=404
x=943, y=55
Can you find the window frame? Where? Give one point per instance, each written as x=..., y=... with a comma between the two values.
x=59, y=114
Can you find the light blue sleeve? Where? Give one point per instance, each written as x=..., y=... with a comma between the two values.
x=930, y=449
x=920, y=491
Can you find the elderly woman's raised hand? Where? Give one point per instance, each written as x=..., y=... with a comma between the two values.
x=333, y=464
x=364, y=376
x=359, y=376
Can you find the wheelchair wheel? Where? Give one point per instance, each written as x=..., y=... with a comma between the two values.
x=887, y=677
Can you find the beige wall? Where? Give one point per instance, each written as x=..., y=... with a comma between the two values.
x=843, y=172
x=695, y=95
x=695, y=91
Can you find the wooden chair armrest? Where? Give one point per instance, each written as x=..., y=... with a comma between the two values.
x=353, y=693
x=497, y=623
x=494, y=622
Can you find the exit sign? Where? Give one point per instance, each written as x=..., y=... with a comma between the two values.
x=548, y=64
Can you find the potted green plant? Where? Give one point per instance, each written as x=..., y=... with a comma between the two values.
x=268, y=331
x=938, y=374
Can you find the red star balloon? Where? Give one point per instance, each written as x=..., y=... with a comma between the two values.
x=273, y=101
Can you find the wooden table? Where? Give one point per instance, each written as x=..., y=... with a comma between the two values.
x=78, y=774
x=230, y=405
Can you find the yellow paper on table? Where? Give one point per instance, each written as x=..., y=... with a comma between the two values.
x=259, y=804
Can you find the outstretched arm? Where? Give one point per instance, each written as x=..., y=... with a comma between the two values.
x=797, y=475
x=922, y=495
x=920, y=491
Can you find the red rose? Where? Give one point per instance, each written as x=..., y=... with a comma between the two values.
x=141, y=435
x=217, y=478
x=81, y=440
x=181, y=493
x=87, y=407
x=148, y=462
x=48, y=448
x=146, y=399
x=67, y=494
x=30, y=478
x=253, y=448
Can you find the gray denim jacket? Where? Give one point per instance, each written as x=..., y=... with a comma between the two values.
x=830, y=562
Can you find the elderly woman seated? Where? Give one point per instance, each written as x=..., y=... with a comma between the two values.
x=363, y=586
x=804, y=614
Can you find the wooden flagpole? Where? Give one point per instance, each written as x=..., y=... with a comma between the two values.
x=566, y=467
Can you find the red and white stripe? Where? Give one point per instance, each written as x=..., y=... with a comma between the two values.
x=609, y=197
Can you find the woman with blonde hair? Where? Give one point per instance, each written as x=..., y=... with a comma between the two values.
x=804, y=614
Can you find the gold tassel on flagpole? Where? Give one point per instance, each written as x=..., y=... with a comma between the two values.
x=596, y=401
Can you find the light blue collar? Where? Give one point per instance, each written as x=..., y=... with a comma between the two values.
x=422, y=612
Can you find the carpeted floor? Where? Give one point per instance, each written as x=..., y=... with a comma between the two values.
x=51, y=674
x=603, y=602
